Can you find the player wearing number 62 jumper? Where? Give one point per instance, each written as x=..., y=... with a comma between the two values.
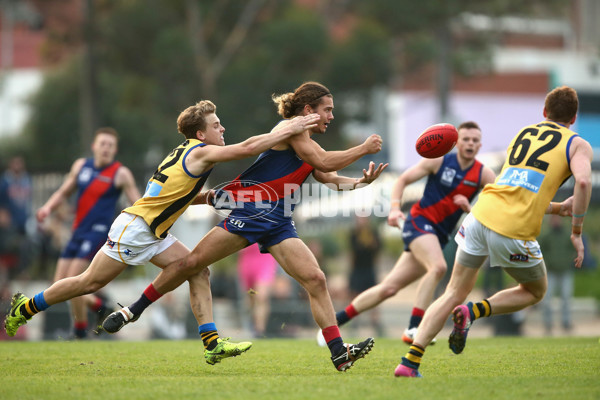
x=505, y=221
x=140, y=234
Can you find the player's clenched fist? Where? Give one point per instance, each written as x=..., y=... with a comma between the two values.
x=373, y=144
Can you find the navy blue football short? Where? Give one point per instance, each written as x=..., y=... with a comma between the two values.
x=418, y=226
x=84, y=245
x=267, y=230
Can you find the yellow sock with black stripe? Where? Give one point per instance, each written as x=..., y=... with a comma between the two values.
x=209, y=334
x=481, y=309
x=412, y=359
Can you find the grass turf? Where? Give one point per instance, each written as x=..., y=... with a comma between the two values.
x=494, y=368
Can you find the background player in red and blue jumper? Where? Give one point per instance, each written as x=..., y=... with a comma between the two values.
x=453, y=181
x=99, y=182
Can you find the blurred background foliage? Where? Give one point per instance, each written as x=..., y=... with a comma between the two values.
x=143, y=62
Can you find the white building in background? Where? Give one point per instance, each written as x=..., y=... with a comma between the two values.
x=20, y=73
x=16, y=88
x=531, y=57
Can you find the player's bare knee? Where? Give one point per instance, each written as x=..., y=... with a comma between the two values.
x=202, y=276
x=315, y=280
x=455, y=296
x=192, y=264
x=90, y=284
x=538, y=295
x=438, y=270
x=204, y=273
x=95, y=286
x=387, y=291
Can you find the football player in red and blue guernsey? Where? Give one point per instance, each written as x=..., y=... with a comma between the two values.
x=99, y=182
x=263, y=197
x=452, y=183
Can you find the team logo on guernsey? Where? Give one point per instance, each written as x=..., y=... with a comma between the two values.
x=448, y=176
x=525, y=178
x=237, y=194
x=85, y=174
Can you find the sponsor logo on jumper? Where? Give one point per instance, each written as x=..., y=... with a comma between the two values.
x=525, y=178
x=103, y=178
x=519, y=257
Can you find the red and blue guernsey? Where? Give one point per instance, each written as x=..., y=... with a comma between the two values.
x=263, y=198
x=97, y=198
x=436, y=212
x=268, y=188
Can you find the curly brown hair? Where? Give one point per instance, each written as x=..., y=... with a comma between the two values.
x=292, y=104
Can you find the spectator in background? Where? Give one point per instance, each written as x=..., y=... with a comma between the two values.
x=558, y=256
x=365, y=245
x=9, y=247
x=16, y=198
x=256, y=272
x=15, y=193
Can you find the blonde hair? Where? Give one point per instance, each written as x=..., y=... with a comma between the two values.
x=292, y=104
x=193, y=118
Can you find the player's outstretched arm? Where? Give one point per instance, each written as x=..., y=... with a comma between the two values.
x=423, y=168
x=201, y=158
x=204, y=197
x=329, y=161
x=62, y=193
x=337, y=182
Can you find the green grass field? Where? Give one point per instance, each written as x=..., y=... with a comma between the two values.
x=498, y=368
